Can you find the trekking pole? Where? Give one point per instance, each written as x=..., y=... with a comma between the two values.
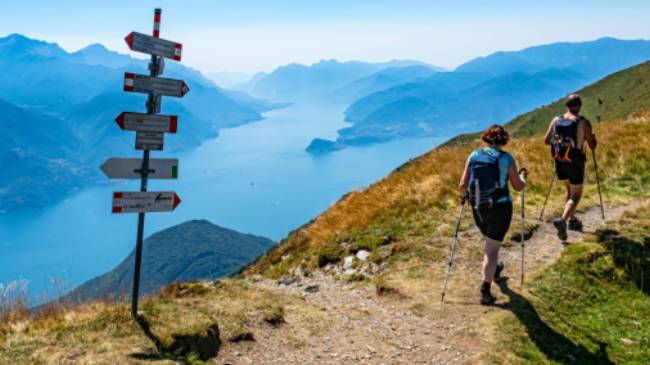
x=523, y=221
x=550, y=187
x=600, y=196
x=452, y=252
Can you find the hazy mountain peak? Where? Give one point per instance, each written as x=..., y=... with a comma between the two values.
x=18, y=45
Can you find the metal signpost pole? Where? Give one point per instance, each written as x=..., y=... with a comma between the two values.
x=153, y=106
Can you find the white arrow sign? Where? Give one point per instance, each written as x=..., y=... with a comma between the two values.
x=143, y=202
x=154, y=46
x=131, y=168
x=156, y=85
x=142, y=122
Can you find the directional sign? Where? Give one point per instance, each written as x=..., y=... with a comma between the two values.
x=154, y=46
x=156, y=85
x=142, y=122
x=149, y=141
x=143, y=202
x=131, y=168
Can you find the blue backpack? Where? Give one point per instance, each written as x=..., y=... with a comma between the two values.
x=484, y=180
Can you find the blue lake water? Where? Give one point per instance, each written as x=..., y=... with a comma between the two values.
x=255, y=178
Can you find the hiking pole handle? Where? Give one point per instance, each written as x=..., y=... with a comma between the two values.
x=600, y=195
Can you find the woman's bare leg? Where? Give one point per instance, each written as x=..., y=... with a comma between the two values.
x=490, y=259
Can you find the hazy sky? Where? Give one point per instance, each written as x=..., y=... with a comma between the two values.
x=250, y=36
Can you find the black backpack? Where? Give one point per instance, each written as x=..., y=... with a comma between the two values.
x=484, y=180
x=564, y=141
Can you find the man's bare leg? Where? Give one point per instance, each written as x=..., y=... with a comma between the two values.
x=575, y=194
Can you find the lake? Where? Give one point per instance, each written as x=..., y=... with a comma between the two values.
x=256, y=178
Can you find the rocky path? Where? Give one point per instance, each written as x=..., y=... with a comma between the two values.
x=365, y=328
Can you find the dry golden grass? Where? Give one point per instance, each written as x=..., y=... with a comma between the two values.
x=101, y=333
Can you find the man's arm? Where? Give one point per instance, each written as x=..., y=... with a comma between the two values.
x=590, y=137
x=549, y=132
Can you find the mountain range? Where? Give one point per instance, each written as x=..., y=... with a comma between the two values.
x=486, y=90
x=331, y=80
x=56, y=102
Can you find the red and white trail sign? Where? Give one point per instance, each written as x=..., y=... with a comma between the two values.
x=154, y=85
x=144, y=201
x=154, y=46
x=142, y=122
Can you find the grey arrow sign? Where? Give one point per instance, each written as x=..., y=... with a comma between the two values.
x=144, y=202
x=154, y=46
x=131, y=168
x=156, y=85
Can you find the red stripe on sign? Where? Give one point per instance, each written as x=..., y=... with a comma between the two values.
x=129, y=40
x=177, y=200
x=118, y=195
x=120, y=120
x=128, y=81
x=173, y=124
x=117, y=209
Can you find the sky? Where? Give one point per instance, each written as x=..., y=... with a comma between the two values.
x=259, y=35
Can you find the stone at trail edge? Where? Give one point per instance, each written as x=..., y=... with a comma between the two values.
x=348, y=262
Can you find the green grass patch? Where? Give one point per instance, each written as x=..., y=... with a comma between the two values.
x=589, y=308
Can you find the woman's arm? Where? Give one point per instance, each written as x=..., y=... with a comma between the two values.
x=549, y=132
x=514, y=177
x=464, y=182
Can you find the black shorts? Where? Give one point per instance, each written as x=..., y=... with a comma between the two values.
x=572, y=171
x=494, y=222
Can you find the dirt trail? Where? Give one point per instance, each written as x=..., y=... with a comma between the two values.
x=364, y=328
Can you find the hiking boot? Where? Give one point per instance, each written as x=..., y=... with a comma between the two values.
x=497, y=273
x=486, y=297
x=575, y=224
x=560, y=225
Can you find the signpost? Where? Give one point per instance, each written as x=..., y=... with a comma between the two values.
x=150, y=129
x=131, y=168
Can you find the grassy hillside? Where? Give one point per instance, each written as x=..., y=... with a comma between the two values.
x=606, y=321
x=415, y=205
x=619, y=95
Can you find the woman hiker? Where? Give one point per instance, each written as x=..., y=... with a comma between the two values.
x=485, y=185
x=567, y=135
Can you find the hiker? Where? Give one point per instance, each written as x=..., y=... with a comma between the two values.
x=485, y=185
x=567, y=135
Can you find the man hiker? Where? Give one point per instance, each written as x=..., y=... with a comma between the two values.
x=485, y=184
x=567, y=135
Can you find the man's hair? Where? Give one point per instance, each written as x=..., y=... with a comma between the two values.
x=496, y=135
x=573, y=100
